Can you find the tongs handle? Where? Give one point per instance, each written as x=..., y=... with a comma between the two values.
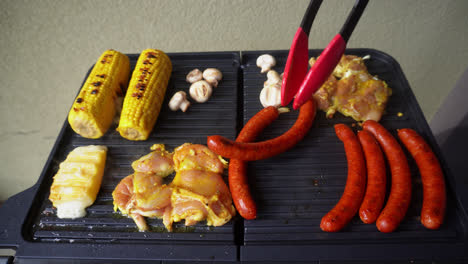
x=309, y=15
x=296, y=66
x=330, y=57
x=353, y=19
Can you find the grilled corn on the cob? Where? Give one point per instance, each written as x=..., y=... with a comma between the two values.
x=78, y=180
x=145, y=95
x=94, y=108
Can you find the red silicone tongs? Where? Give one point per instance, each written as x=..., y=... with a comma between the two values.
x=296, y=80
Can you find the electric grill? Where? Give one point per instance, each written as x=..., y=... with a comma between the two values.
x=293, y=190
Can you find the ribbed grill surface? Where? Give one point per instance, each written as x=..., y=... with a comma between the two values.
x=102, y=224
x=293, y=190
x=296, y=189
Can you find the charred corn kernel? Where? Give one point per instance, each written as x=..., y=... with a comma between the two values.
x=78, y=180
x=94, y=108
x=145, y=95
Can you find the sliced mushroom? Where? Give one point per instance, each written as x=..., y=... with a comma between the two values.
x=200, y=91
x=212, y=76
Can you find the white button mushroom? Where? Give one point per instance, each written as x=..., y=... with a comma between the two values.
x=212, y=76
x=194, y=76
x=272, y=78
x=179, y=101
x=200, y=91
x=271, y=92
x=266, y=61
x=271, y=95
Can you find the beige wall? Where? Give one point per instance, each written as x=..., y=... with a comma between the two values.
x=46, y=47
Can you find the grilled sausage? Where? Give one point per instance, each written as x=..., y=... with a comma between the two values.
x=434, y=196
x=269, y=148
x=400, y=192
x=376, y=178
x=238, y=183
x=350, y=201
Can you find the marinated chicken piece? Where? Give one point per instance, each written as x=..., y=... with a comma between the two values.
x=123, y=200
x=198, y=195
x=123, y=194
x=357, y=93
x=158, y=162
x=347, y=63
x=323, y=95
x=193, y=156
x=198, y=190
x=151, y=196
x=361, y=100
x=142, y=194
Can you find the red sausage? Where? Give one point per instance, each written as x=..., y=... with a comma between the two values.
x=269, y=148
x=400, y=192
x=238, y=183
x=350, y=201
x=434, y=196
x=376, y=178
